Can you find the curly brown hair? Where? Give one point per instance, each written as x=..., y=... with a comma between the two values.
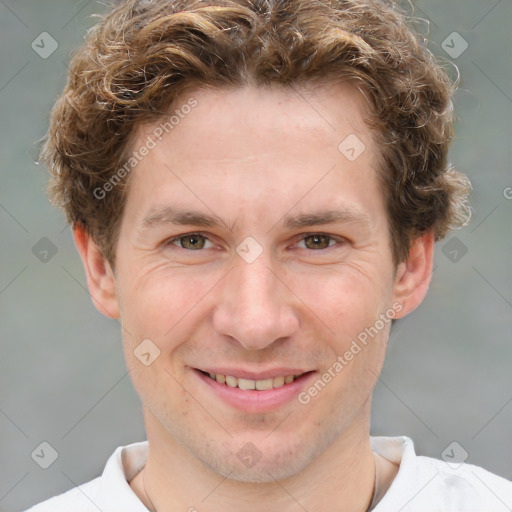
x=144, y=54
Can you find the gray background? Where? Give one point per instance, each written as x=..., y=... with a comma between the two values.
x=62, y=376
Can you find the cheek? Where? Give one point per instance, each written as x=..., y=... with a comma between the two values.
x=349, y=305
x=158, y=303
x=346, y=300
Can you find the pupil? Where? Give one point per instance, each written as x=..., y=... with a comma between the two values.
x=318, y=241
x=193, y=242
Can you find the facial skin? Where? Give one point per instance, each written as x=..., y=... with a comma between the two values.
x=254, y=158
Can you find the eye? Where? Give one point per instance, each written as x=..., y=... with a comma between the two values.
x=198, y=241
x=317, y=241
x=191, y=241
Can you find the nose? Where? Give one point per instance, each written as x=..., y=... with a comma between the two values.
x=255, y=306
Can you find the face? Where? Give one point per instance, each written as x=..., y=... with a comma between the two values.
x=253, y=249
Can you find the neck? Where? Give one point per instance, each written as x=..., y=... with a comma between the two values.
x=174, y=479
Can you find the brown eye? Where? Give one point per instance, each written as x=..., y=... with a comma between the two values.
x=317, y=241
x=192, y=242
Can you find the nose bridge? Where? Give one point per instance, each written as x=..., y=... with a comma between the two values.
x=256, y=288
x=255, y=308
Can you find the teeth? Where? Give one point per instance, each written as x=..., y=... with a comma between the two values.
x=261, y=385
x=278, y=382
x=249, y=384
x=232, y=382
x=246, y=384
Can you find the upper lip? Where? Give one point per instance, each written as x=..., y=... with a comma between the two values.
x=255, y=375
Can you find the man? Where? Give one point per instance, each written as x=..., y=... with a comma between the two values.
x=256, y=189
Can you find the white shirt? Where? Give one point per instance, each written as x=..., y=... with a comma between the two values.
x=422, y=484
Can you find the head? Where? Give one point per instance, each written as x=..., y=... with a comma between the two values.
x=301, y=147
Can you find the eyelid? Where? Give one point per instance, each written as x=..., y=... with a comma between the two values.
x=321, y=233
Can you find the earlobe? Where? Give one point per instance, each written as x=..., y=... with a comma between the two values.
x=100, y=277
x=414, y=275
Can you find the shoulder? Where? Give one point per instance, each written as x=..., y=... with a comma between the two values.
x=425, y=484
x=78, y=499
x=109, y=492
x=464, y=486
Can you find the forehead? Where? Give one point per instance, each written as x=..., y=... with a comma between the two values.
x=266, y=144
x=322, y=112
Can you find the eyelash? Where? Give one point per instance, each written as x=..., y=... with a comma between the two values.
x=337, y=239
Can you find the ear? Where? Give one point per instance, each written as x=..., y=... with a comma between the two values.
x=413, y=275
x=100, y=277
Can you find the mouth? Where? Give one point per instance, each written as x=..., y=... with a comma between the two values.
x=252, y=392
x=252, y=384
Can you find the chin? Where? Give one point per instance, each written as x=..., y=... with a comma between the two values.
x=262, y=473
x=251, y=465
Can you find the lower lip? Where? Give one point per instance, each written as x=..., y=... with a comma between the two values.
x=257, y=401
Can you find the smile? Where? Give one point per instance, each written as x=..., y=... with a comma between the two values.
x=255, y=392
x=250, y=384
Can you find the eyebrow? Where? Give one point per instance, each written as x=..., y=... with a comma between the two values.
x=169, y=215
x=325, y=217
